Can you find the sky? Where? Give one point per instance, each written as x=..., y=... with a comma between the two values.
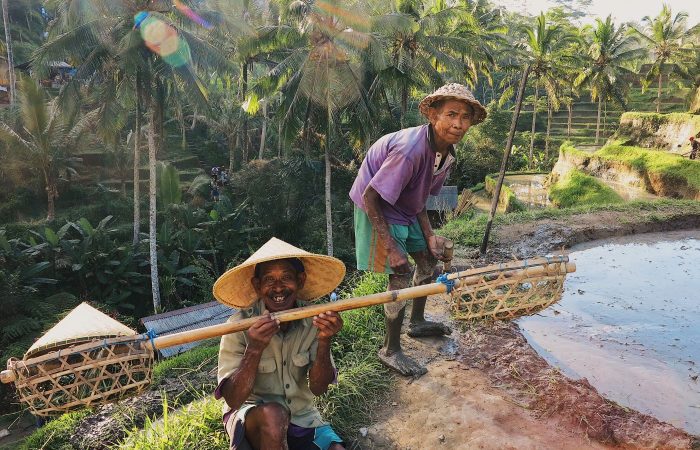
x=621, y=10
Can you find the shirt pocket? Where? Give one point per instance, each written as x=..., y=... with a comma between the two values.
x=300, y=364
x=266, y=381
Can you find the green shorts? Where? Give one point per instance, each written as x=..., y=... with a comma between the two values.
x=371, y=255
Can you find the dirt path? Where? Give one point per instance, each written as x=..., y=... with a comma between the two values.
x=458, y=406
x=487, y=388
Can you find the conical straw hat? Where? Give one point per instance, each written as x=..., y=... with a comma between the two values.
x=323, y=274
x=454, y=91
x=83, y=324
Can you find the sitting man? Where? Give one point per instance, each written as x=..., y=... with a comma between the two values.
x=269, y=374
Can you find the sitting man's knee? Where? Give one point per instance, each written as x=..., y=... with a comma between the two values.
x=274, y=414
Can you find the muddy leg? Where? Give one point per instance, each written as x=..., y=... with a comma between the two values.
x=418, y=326
x=391, y=354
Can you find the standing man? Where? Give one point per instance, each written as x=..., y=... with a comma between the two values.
x=390, y=192
x=694, y=147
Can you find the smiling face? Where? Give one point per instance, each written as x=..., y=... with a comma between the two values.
x=450, y=120
x=277, y=284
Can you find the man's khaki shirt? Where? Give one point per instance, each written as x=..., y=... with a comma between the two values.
x=283, y=372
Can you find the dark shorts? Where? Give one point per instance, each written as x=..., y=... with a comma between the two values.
x=298, y=438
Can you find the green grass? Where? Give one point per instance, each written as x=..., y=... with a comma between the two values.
x=196, y=426
x=577, y=188
x=363, y=382
x=197, y=358
x=56, y=434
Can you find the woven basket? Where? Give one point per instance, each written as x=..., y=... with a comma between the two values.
x=85, y=375
x=502, y=296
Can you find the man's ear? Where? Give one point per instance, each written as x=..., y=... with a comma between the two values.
x=432, y=114
x=301, y=279
x=255, y=281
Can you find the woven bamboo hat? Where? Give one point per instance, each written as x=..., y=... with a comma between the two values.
x=82, y=324
x=323, y=274
x=454, y=91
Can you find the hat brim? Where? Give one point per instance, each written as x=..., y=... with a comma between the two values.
x=323, y=275
x=479, y=110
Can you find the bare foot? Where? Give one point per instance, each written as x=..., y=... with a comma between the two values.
x=401, y=363
x=425, y=328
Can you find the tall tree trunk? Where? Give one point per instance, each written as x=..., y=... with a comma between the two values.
x=263, y=132
x=597, y=123
x=137, y=162
x=658, y=93
x=570, y=108
x=232, y=145
x=329, y=209
x=10, y=54
x=534, y=120
x=244, y=93
x=51, y=194
x=152, y=244
x=549, y=128
x=279, y=139
x=504, y=161
x=605, y=117
x=305, y=131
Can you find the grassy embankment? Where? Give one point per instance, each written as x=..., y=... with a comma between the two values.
x=675, y=171
x=468, y=230
x=363, y=383
x=577, y=188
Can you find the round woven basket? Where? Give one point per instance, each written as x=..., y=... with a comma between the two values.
x=88, y=374
x=503, y=297
x=87, y=358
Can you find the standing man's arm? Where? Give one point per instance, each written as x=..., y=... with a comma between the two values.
x=436, y=244
x=322, y=372
x=398, y=261
x=237, y=387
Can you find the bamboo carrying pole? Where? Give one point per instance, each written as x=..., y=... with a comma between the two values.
x=534, y=267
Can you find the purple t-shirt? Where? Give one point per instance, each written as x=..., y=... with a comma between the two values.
x=399, y=166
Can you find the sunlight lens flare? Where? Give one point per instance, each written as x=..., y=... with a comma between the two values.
x=162, y=39
x=193, y=16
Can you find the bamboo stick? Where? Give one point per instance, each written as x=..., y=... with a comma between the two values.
x=462, y=280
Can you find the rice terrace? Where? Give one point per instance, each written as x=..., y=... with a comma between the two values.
x=324, y=224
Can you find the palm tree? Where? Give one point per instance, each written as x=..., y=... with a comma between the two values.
x=545, y=45
x=611, y=49
x=8, y=48
x=666, y=36
x=321, y=75
x=428, y=44
x=46, y=139
x=116, y=45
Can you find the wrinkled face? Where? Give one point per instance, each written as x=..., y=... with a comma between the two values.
x=451, y=120
x=278, y=284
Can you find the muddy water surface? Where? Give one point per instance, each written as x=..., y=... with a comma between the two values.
x=629, y=322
